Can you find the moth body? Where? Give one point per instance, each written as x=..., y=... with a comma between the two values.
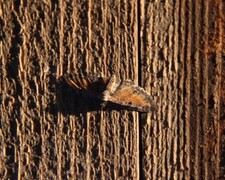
x=112, y=90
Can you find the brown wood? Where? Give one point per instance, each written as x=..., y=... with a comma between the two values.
x=174, y=49
x=182, y=47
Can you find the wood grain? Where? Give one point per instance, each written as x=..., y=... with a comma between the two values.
x=174, y=49
x=181, y=43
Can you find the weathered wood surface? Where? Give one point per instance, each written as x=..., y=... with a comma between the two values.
x=182, y=47
x=174, y=49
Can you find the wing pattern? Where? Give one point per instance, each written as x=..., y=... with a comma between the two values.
x=113, y=90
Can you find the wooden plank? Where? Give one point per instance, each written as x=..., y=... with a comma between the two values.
x=174, y=49
x=103, y=42
x=28, y=109
x=182, y=62
x=44, y=135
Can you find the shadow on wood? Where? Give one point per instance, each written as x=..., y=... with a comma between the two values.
x=70, y=102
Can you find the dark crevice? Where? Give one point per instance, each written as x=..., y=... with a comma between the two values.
x=139, y=48
x=15, y=90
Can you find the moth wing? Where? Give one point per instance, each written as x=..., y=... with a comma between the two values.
x=134, y=97
x=93, y=84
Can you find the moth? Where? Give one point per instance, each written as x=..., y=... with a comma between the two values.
x=112, y=90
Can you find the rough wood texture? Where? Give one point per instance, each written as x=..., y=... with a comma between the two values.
x=182, y=47
x=174, y=49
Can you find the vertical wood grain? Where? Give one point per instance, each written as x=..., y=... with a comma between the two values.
x=174, y=49
x=181, y=47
